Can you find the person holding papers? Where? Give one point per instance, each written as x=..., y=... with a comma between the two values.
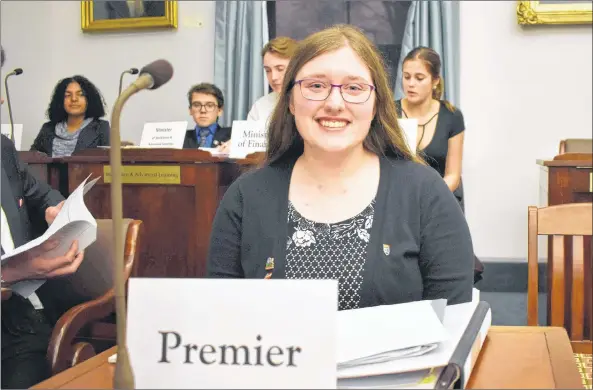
x=75, y=123
x=206, y=103
x=25, y=325
x=340, y=195
x=441, y=127
x=27, y=322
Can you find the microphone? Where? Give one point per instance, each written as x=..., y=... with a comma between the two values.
x=121, y=77
x=152, y=76
x=15, y=72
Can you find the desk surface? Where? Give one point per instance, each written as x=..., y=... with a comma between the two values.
x=512, y=358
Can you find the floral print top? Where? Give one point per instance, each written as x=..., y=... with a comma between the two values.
x=335, y=251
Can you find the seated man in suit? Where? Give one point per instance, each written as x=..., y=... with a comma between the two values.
x=27, y=321
x=206, y=103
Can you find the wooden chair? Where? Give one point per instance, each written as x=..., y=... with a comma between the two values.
x=576, y=145
x=569, y=282
x=93, y=285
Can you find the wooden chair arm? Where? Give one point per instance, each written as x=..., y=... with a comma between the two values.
x=70, y=324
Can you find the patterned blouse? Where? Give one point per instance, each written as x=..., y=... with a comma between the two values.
x=335, y=251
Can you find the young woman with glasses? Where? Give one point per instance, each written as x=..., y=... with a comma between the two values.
x=340, y=195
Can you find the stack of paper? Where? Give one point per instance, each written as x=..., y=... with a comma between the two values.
x=421, y=370
x=386, y=333
x=215, y=152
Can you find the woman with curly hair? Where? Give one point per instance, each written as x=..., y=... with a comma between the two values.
x=74, y=114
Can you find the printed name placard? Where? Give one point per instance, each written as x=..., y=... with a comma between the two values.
x=232, y=333
x=410, y=129
x=163, y=135
x=248, y=137
x=18, y=133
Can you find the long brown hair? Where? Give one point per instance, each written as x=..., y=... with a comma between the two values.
x=432, y=62
x=385, y=137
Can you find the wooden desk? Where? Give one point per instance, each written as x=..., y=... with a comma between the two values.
x=175, y=193
x=512, y=358
x=48, y=169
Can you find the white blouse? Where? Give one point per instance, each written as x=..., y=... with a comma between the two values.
x=263, y=107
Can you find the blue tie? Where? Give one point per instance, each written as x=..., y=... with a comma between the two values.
x=204, y=136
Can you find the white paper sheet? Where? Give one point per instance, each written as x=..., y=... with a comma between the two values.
x=73, y=222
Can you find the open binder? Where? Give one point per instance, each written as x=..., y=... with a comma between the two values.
x=448, y=365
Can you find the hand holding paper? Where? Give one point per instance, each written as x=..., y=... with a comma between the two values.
x=38, y=263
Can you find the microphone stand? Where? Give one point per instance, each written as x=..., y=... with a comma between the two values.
x=9, y=106
x=152, y=76
x=123, y=377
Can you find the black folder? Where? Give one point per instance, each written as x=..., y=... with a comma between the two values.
x=452, y=376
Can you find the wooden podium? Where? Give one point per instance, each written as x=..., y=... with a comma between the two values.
x=174, y=192
x=567, y=178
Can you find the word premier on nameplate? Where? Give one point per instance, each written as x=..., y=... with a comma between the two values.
x=225, y=354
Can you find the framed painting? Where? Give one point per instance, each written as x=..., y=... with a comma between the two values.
x=554, y=12
x=113, y=15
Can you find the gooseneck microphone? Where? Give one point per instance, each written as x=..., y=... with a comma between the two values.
x=152, y=76
x=15, y=72
x=121, y=77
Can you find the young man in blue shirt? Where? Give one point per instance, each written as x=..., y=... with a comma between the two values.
x=206, y=104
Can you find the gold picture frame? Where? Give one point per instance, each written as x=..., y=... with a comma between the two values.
x=554, y=12
x=117, y=15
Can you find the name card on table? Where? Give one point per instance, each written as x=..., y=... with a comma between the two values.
x=163, y=135
x=410, y=129
x=18, y=133
x=248, y=137
x=232, y=333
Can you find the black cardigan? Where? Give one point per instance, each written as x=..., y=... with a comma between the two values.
x=94, y=134
x=420, y=246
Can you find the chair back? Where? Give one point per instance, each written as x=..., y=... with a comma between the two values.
x=569, y=227
x=576, y=145
x=90, y=293
x=95, y=274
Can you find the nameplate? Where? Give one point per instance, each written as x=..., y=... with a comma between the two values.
x=410, y=129
x=146, y=174
x=163, y=135
x=18, y=133
x=248, y=137
x=232, y=333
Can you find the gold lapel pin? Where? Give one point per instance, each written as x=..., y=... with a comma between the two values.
x=270, y=264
